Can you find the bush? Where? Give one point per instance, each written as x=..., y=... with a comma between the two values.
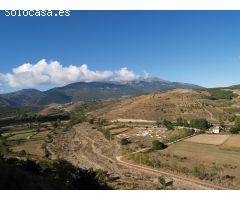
x=234, y=130
x=157, y=145
x=124, y=141
x=216, y=94
x=199, y=172
x=168, y=124
x=162, y=180
x=22, y=153
x=179, y=122
x=237, y=121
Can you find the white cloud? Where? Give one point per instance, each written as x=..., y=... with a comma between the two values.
x=46, y=73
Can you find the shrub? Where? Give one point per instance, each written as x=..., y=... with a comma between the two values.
x=199, y=172
x=168, y=124
x=157, y=145
x=234, y=130
x=179, y=122
x=162, y=180
x=124, y=141
x=22, y=153
x=217, y=93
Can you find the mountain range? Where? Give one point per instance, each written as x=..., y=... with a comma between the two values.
x=90, y=91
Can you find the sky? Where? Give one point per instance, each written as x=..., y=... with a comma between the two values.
x=199, y=47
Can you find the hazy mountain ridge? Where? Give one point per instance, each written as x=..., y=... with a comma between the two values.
x=92, y=90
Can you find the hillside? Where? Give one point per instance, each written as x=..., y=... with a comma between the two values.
x=185, y=103
x=21, y=97
x=4, y=102
x=91, y=91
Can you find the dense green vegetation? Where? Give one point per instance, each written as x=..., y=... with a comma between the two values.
x=200, y=124
x=60, y=174
x=168, y=124
x=162, y=180
x=236, y=128
x=28, y=118
x=217, y=93
x=124, y=141
x=182, y=122
x=157, y=145
x=10, y=112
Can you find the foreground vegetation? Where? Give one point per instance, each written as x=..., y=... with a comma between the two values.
x=60, y=174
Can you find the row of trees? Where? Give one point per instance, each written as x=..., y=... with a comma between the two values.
x=202, y=124
x=236, y=128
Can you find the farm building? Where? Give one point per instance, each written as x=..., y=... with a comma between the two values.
x=216, y=130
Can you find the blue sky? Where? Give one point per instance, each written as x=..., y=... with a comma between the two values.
x=201, y=47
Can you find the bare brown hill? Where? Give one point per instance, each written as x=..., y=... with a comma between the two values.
x=185, y=103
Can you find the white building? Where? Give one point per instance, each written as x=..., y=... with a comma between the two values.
x=216, y=130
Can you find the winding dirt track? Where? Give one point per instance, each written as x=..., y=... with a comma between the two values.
x=199, y=184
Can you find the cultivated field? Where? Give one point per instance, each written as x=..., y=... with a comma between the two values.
x=28, y=140
x=208, y=139
x=218, y=162
x=233, y=143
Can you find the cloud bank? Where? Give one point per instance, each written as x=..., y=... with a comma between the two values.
x=47, y=73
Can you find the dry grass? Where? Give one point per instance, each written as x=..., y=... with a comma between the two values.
x=208, y=139
x=203, y=153
x=169, y=105
x=118, y=131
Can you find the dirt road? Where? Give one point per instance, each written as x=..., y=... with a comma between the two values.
x=86, y=147
x=197, y=183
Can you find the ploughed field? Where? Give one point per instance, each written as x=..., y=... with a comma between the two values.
x=209, y=139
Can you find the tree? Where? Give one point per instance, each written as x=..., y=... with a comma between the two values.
x=179, y=122
x=234, y=130
x=168, y=124
x=157, y=145
x=237, y=122
x=124, y=141
x=162, y=180
x=200, y=123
